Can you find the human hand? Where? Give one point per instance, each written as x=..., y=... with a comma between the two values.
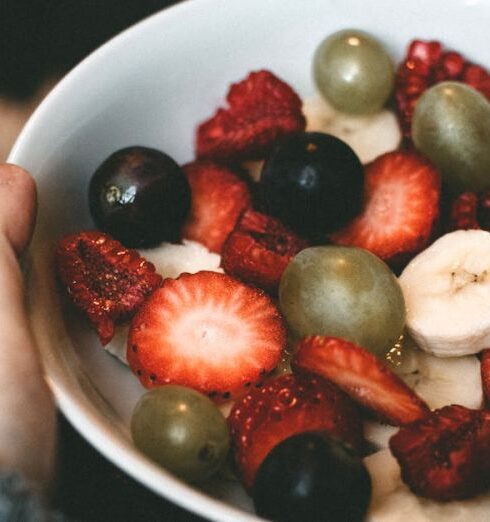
x=27, y=412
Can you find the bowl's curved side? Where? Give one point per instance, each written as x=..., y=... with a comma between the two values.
x=87, y=409
x=150, y=85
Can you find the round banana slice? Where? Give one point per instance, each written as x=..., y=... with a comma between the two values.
x=441, y=381
x=447, y=294
x=369, y=135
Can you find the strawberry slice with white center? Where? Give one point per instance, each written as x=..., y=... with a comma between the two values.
x=400, y=209
x=206, y=331
x=362, y=376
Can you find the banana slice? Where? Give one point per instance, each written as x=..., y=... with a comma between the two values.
x=378, y=434
x=441, y=381
x=170, y=260
x=392, y=501
x=369, y=136
x=447, y=293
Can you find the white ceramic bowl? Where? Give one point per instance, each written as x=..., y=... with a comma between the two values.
x=150, y=86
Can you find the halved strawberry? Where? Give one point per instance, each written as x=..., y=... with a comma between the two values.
x=282, y=407
x=400, y=209
x=362, y=376
x=219, y=197
x=485, y=374
x=207, y=331
x=261, y=109
x=445, y=456
x=426, y=64
x=259, y=249
x=104, y=279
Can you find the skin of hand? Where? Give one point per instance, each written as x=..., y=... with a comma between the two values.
x=27, y=411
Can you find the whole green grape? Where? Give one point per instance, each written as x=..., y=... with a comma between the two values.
x=353, y=72
x=451, y=126
x=182, y=430
x=343, y=292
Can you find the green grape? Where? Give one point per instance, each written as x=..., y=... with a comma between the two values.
x=182, y=430
x=344, y=292
x=451, y=126
x=353, y=72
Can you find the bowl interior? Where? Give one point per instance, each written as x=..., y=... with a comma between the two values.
x=151, y=86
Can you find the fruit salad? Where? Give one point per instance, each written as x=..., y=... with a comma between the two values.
x=309, y=298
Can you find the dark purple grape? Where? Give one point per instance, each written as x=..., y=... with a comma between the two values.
x=312, y=478
x=140, y=196
x=313, y=182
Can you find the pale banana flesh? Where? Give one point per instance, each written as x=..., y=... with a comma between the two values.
x=392, y=500
x=439, y=381
x=447, y=294
x=369, y=136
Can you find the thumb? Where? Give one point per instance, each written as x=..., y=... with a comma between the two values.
x=18, y=205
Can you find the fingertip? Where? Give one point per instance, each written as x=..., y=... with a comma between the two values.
x=18, y=205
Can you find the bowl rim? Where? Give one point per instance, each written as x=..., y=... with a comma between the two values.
x=91, y=424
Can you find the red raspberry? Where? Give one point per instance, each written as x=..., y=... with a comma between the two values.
x=104, y=279
x=485, y=375
x=445, y=456
x=426, y=64
x=261, y=109
x=470, y=211
x=259, y=249
x=285, y=406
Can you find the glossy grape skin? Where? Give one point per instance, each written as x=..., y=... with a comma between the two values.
x=353, y=72
x=140, y=196
x=451, y=126
x=182, y=430
x=313, y=182
x=310, y=477
x=343, y=292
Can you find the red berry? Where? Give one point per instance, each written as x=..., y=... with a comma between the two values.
x=464, y=212
x=470, y=211
x=400, y=209
x=284, y=406
x=445, y=456
x=425, y=65
x=485, y=374
x=206, y=331
x=219, y=197
x=362, y=376
x=261, y=109
x=104, y=279
x=259, y=250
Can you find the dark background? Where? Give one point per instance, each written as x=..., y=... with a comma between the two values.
x=41, y=40
x=45, y=38
x=90, y=489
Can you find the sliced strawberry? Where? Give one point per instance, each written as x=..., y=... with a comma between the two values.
x=207, y=331
x=259, y=249
x=219, y=197
x=445, y=456
x=261, y=109
x=426, y=64
x=485, y=374
x=362, y=376
x=104, y=279
x=400, y=209
x=282, y=407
